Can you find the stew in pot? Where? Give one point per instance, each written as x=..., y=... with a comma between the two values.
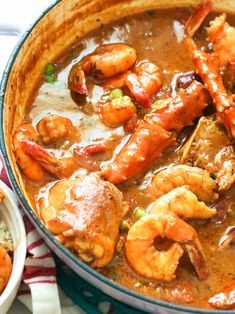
x=127, y=152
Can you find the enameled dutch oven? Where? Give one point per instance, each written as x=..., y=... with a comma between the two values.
x=59, y=27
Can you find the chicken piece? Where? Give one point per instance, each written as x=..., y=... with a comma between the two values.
x=85, y=214
x=210, y=148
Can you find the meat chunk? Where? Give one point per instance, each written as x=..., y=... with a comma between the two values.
x=210, y=148
x=85, y=214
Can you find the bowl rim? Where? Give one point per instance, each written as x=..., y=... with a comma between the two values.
x=29, y=211
x=19, y=255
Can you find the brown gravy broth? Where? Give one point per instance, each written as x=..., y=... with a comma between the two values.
x=155, y=36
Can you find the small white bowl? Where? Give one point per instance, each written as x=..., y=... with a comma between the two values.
x=10, y=213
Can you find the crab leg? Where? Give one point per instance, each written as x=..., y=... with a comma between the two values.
x=225, y=106
x=153, y=135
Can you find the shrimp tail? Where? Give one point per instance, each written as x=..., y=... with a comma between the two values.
x=39, y=153
x=59, y=167
x=196, y=19
x=197, y=258
x=77, y=80
x=146, y=144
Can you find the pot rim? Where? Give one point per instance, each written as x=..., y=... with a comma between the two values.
x=29, y=211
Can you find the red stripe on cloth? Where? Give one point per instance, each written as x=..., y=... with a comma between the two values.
x=42, y=281
x=23, y=292
x=38, y=271
x=35, y=244
x=28, y=226
x=44, y=256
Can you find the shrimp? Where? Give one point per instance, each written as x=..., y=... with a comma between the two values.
x=149, y=76
x=117, y=111
x=182, y=202
x=34, y=160
x=143, y=82
x=54, y=128
x=141, y=253
x=29, y=166
x=57, y=166
x=153, y=135
x=222, y=37
x=198, y=180
x=104, y=62
x=162, y=220
x=5, y=268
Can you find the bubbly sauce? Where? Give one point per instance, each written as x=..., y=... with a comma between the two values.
x=156, y=36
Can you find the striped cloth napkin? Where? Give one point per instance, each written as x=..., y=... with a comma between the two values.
x=39, y=291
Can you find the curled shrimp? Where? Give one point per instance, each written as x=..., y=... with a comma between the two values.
x=153, y=135
x=222, y=37
x=104, y=62
x=34, y=160
x=182, y=202
x=143, y=82
x=29, y=166
x=53, y=129
x=141, y=253
x=60, y=167
x=5, y=268
x=117, y=111
x=198, y=180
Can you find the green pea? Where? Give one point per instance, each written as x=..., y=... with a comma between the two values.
x=116, y=93
x=139, y=212
x=50, y=78
x=233, y=85
x=50, y=69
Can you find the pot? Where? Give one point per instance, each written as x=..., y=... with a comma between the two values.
x=59, y=27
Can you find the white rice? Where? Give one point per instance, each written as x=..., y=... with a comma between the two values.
x=5, y=237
